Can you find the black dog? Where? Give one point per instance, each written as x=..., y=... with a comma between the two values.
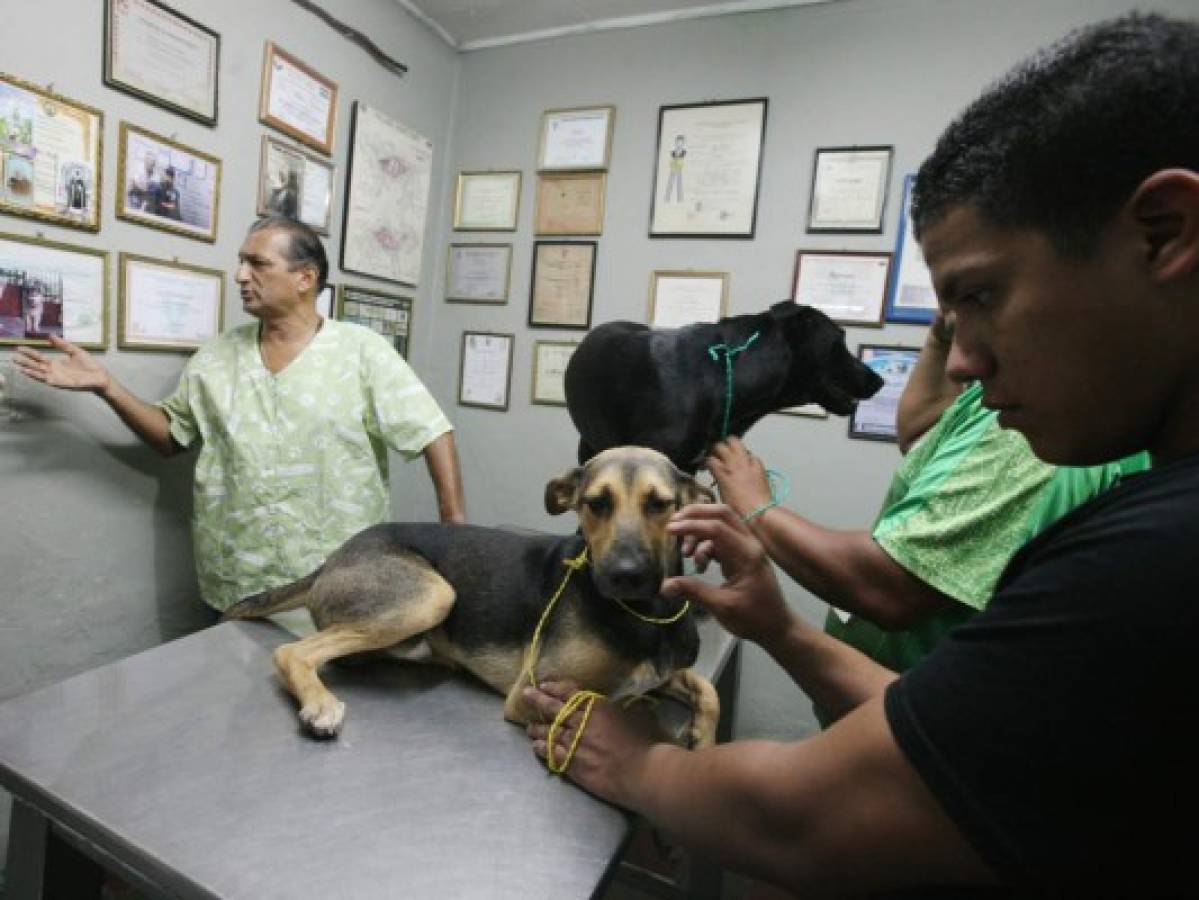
x=664, y=388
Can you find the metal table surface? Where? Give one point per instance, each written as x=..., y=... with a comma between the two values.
x=184, y=768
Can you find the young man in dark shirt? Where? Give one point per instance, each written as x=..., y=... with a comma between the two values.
x=1041, y=746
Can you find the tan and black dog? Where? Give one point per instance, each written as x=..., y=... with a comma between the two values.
x=476, y=595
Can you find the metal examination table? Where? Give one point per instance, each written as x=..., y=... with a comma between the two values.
x=184, y=770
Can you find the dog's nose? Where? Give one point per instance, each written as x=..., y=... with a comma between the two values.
x=629, y=577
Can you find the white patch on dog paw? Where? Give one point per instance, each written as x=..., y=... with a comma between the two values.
x=324, y=720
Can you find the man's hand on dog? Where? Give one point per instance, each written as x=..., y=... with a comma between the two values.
x=740, y=476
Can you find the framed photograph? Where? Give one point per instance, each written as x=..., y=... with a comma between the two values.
x=549, y=371
x=874, y=419
x=478, y=273
x=848, y=287
x=295, y=183
x=576, y=139
x=164, y=184
x=160, y=55
x=563, y=277
x=297, y=100
x=168, y=305
x=50, y=288
x=486, y=201
x=387, y=197
x=707, y=169
x=387, y=314
x=684, y=298
x=50, y=156
x=485, y=376
x=911, y=297
x=849, y=189
x=570, y=204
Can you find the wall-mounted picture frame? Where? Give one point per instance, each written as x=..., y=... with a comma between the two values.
x=485, y=373
x=47, y=287
x=50, y=156
x=575, y=140
x=707, y=169
x=164, y=184
x=911, y=298
x=295, y=183
x=168, y=305
x=550, y=359
x=478, y=273
x=561, y=284
x=850, y=287
x=487, y=201
x=384, y=313
x=678, y=298
x=297, y=100
x=159, y=55
x=874, y=419
x=849, y=189
x=570, y=203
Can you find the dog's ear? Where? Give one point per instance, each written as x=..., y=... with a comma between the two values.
x=692, y=491
x=562, y=493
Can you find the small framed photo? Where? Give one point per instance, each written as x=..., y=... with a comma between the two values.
x=296, y=184
x=486, y=201
x=849, y=189
x=485, y=376
x=570, y=203
x=874, y=419
x=168, y=305
x=478, y=273
x=51, y=288
x=549, y=371
x=576, y=139
x=165, y=185
x=911, y=297
x=387, y=314
x=685, y=298
x=562, y=282
x=848, y=287
x=297, y=100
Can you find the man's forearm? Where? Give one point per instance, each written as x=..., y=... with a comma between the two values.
x=441, y=457
x=148, y=422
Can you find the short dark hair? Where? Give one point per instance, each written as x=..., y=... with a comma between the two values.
x=1060, y=143
x=304, y=247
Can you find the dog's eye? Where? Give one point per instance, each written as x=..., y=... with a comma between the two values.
x=599, y=504
x=655, y=504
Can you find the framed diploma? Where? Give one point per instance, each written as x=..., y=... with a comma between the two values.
x=485, y=376
x=849, y=189
x=549, y=371
x=387, y=314
x=911, y=297
x=160, y=55
x=168, y=305
x=295, y=183
x=297, y=100
x=874, y=419
x=847, y=287
x=478, y=273
x=163, y=184
x=51, y=288
x=707, y=169
x=576, y=139
x=50, y=150
x=570, y=204
x=563, y=276
x=684, y=298
x=486, y=201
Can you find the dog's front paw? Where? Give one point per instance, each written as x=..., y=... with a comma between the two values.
x=323, y=720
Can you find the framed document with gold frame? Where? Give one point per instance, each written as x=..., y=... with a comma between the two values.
x=487, y=201
x=549, y=371
x=168, y=305
x=297, y=100
x=163, y=184
x=51, y=288
x=478, y=273
x=685, y=298
x=576, y=140
x=570, y=203
x=485, y=376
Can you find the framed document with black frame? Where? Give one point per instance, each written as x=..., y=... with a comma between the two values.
x=485, y=374
x=874, y=419
x=849, y=189
x=561, y=284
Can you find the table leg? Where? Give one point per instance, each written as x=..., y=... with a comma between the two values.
x=27, y=838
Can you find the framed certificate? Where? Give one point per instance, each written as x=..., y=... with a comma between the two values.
x=486, y=201
x=295, y=183
x=478, y=273
x=570, y=203
x=874, y=419
x=684, y=298
x=563, y=276
x=911, y=297
x=160, y=55
x=165, y=185
x=485, y=375
x=549, y=371
x=168, y=305
x=297, y=100
x=51, y=288
x=576, y=139
x=50, y=149
x=707, y=169
x=849, y=189
x=387, y=314
x=848, y=287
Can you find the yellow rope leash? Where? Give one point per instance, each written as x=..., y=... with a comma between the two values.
x=653, y=621
x=586, y=699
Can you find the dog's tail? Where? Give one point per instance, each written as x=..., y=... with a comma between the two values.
x=290, y=596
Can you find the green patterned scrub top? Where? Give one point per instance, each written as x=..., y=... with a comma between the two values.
x=292, y=464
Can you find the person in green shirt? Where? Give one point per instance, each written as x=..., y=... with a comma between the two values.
x=293, y=415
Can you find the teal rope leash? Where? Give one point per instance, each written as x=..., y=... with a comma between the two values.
x=780, y=487
x=729, y=352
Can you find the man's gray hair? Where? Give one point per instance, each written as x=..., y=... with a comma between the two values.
x=304, y=245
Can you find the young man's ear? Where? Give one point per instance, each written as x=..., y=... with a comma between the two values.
x=562, y=493
x=1166, y=209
